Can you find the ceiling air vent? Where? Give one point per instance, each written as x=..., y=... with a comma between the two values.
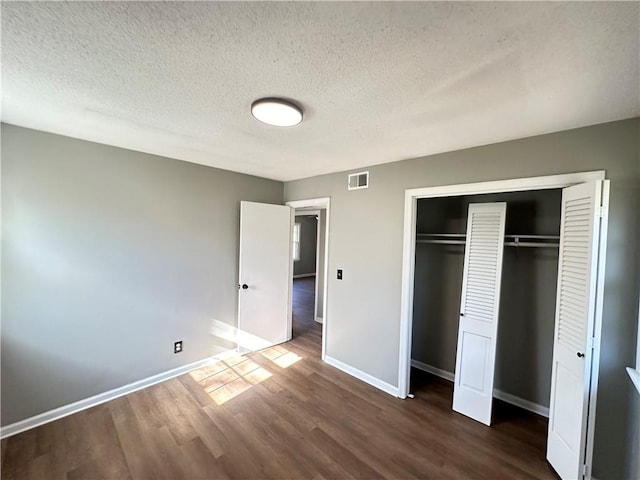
x=358, y=180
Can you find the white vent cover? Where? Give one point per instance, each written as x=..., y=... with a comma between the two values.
x=358, y=180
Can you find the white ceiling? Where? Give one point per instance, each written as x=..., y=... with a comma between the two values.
x=378, y=82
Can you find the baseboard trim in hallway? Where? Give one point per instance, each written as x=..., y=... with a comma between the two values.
x=304, y=275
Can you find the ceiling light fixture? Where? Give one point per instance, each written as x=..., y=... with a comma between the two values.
x=277, y=112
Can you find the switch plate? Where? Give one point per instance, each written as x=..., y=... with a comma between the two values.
x=339, y=274
x=177, y=347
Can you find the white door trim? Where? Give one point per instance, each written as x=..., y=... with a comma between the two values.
x=306, y=213
x=512, y=185
x=597, y=326
x=320, y=203
x=315, y=298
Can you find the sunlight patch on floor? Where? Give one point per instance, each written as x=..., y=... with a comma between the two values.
x=224, y=379
x=272, y=353
x=286, y=360
x=228, y=378
x=280, y=356
x=229, y=390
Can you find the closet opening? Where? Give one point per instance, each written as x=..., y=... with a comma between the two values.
x=524, y=346
x=503, y=282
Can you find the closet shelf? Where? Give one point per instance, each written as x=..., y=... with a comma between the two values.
x=534, y=241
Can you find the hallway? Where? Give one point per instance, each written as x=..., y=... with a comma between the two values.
x=304, y=324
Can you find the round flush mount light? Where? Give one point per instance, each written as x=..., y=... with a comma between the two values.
x=277, y=112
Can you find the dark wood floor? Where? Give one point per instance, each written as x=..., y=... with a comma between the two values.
x=280, y=413
x=304, y=324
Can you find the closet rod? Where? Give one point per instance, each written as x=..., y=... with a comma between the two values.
x=464, y=235
x=515, y=243
x=506, y=244
x=531, y=244
x=538, y=237
x=452, y=235
x=443, y=242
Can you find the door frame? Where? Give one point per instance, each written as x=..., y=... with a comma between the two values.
x=409, y=251
x=323, y=203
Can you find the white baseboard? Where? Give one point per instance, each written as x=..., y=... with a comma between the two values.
x=521, y=402
x=432, y=370
x=66, y=410
x=303, y=275
x=500, y=395
x=635, y=377
x=319, y=319
x=360, y=375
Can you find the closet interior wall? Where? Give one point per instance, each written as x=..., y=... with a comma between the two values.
x=527, y=306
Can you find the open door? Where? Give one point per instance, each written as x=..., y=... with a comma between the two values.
x=577, y=328
x=264, y=298
x=479, y=307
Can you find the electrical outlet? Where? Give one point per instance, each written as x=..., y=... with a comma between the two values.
x=177, y=347
x=339, y=274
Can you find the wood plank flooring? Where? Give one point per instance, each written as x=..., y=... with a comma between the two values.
x=280, y=413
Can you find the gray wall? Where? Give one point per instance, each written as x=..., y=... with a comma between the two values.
x=109, y=256
x=527, y=306
x=366, y=241
x=308, y=245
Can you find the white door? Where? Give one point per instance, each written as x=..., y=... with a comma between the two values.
x=576, y=329
x=264, y=298
x=477, y=333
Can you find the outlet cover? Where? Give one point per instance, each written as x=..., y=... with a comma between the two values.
x=177, y=347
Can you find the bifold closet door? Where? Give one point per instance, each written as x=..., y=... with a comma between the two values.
x=575, y=351
x=478, y=329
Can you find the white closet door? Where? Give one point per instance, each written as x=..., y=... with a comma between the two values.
x=574, y=328
x=475, y=357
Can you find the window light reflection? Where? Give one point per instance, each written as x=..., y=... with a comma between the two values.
x=227, y=378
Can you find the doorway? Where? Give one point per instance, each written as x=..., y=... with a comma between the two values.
x=309, y=279
x=306, y=233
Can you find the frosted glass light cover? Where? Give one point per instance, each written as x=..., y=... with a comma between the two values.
x=277, y=112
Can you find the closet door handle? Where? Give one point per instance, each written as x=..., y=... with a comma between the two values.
x=580, y=354
x=461, y=314
x=244, y=286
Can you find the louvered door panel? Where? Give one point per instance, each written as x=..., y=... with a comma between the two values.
x=575, y=313
x=475, y=357
x=578, y=222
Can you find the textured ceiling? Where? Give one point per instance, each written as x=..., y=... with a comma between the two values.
x=378, y=82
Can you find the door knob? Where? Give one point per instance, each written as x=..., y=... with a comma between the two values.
x=580, y=354
x=245, y=286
